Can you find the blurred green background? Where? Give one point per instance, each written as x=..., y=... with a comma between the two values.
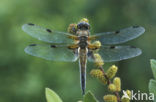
x=23, y=78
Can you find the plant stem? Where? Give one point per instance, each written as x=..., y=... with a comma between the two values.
x=109, y=82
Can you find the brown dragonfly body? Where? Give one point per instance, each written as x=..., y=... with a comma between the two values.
x=83, y=43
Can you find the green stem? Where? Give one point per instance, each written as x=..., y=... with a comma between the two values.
x=109, y=82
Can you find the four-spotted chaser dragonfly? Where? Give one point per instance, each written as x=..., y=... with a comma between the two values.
x=69, y=47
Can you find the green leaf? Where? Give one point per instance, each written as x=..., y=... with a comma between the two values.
x=153, y=66
x=89, y=97
x=152, y=86
x=51, y=96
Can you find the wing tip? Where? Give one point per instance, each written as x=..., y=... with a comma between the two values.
x=24, y=25
x=137, y=49
x=138, y=52
x=143, y=29
x=27, y=48
x=139, y=27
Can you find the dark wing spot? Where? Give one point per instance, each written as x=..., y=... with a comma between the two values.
x=32, y=45
x=132, y=47
x=48, y=30
x=53, y=46
x=112, y=47
x=135, y=26
x=116, y=32
x=31, y=24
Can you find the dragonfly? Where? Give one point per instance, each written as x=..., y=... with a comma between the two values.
x=68, y=47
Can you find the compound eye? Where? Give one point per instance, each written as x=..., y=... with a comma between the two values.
x=87, y=26
x=79, y=26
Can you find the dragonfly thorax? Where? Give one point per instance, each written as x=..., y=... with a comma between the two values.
x=83, y=42
x=82, y=33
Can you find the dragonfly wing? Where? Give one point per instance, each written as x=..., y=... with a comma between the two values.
x=120, y=36
x=52, y=52
x=116, y=53
x=46, y=35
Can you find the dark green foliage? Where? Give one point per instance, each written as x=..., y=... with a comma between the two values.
x=51, y=96
x=89, y=97
x=152, y=83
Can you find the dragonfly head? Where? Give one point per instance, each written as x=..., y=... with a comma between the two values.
x=83, y=26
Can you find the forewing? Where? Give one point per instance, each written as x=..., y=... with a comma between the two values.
x=116, y=53
x=52, y=52
x=120, y=36
x=46, y=35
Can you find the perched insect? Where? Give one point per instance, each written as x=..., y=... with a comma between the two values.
x=70, y=47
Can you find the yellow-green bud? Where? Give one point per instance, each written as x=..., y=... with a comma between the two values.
x=112, y=87
x=84, y=20
x=111, y=72
x=97, y=43
x=98, y=60
x=72, y=28
x=117, y=83
x=110, y=98
x=128, y=93
x=97, y=73
x=125, y=100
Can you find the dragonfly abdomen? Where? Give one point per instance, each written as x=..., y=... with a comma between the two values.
x=82, y=66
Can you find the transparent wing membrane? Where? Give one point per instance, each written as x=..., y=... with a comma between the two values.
x=120, y=36
x=52, y=52
x=116, y=53
x=46, y=35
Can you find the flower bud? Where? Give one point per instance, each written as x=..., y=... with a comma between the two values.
x=128, y=93
x=117, y=83
x=98, y=60
x=97, y=73
x=112, y=87
x=84, y=20
x=111, y=72
x=124, y=99
x=110, y=98
x=97, y=44
x=72, y=28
